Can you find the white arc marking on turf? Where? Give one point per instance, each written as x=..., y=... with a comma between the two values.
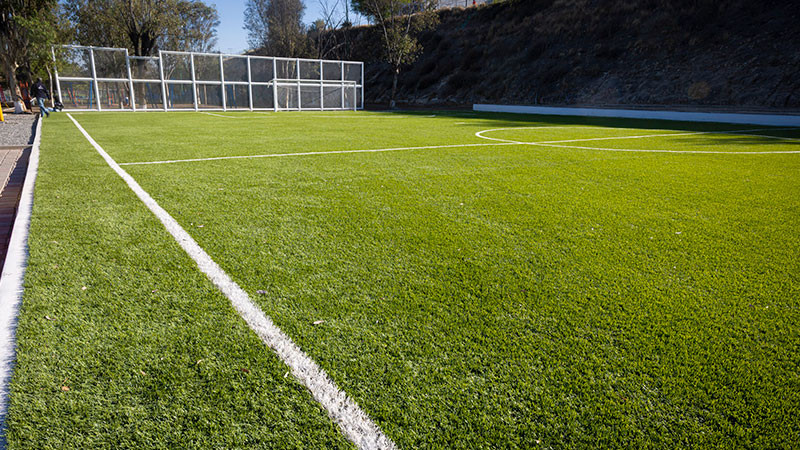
x=730, y=132
x=480, y=133
x=333, y=152
x=353, y=422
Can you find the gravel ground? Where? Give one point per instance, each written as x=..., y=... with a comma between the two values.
x=17, y=129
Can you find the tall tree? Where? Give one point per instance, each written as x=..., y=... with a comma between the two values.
x=399, y=22
x=27, y=30
x=276, y=27
x=144, y=26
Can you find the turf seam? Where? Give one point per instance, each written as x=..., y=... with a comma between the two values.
x=352, y=421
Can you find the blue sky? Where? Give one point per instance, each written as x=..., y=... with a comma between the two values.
x=231, y=37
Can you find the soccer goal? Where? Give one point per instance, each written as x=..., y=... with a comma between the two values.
x=103, y=79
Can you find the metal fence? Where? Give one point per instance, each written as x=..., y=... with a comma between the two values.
x=462, y=3
x=102, y=78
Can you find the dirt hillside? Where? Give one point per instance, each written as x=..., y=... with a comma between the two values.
x=735, y=54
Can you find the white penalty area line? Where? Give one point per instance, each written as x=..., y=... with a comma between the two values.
x=332, y=152
x=353, y=422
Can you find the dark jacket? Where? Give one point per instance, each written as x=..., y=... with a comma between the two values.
x=39, y=91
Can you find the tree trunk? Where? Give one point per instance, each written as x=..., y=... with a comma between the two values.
x=16, y=94
x=392, y=102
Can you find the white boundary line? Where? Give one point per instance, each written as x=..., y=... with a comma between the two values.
x=333, y=152
x=11, y=280
x=353, y=422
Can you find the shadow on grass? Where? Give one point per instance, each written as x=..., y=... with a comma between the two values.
x=510, y=120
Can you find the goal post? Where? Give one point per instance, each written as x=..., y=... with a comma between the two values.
x=299, y=94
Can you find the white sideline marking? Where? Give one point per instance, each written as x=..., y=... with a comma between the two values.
x=353, y=422
x=333, y=152
x=11, y=280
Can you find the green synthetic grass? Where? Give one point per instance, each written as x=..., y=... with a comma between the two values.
x=152, y=355
x=476, y=297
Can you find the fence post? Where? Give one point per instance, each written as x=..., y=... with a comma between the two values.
x=130, y=81
x=341, y=66
x=222, y=84
x=55, y=71
x=163, y=81
x=94, y=79
x=299, y=96
x=362, y=85
x=249, y=84
x=274, y=85
x=194, y=82
x=321, y=91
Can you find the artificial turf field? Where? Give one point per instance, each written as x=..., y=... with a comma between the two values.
x=495, y=294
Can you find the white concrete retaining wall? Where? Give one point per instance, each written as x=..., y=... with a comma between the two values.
x=751, y=119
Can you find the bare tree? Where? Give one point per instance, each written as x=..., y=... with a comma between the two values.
x=276, y=26
x=322, y=33
x=399, y=22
